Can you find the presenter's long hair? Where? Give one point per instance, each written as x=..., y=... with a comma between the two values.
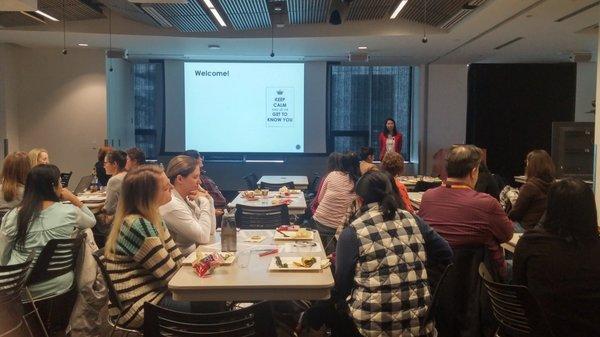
x=139, y=198
x=386, y=132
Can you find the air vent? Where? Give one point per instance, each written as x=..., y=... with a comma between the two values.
x=465, y=10
x=509, y=43
x=157, y=16
x=577, y=12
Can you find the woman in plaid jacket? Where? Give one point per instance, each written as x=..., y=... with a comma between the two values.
x=380, y=268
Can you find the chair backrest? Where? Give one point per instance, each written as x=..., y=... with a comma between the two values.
x=518, y=313
x=57, y=258
x=112, y=292
x=83, y=184
x=65, y=177
x=251, y=180
x=462, y=306
x=255, y=320
x=277, y=186
x=13, y=278
x=314, y=183
x=267, y=217
x=436, y=282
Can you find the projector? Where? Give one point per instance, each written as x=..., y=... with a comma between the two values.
x=358, y=57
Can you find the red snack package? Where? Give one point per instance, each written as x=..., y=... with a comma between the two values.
x=206, y=265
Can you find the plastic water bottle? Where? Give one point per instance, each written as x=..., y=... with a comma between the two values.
x=94, y=185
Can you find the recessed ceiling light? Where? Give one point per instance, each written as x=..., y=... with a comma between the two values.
x=48, y=16
x=362, y=48
x=278, y=9
x=82, y=44
x=398, y=9
x=214, y=46
x=280, y=25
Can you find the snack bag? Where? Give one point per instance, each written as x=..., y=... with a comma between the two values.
x=207, y=264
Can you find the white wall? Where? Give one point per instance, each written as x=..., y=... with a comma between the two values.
x=62, y=106
x=8, y=98
x=585, y=92
x=446, y=120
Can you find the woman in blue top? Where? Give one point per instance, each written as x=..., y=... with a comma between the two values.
x=40, y=218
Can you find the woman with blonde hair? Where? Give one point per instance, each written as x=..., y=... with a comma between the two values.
x=12, y=181
x=38, y=156
x=190, y=215
x=140, y=255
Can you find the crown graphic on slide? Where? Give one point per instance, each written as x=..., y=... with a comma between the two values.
x=279, y=92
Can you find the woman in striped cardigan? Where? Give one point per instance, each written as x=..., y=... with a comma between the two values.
x=140, y=255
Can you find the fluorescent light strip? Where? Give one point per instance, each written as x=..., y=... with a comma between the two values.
x=46, y=15
x=215, y=13
x=264, y=161
x=398, y=9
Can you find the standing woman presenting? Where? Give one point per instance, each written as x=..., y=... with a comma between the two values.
x=390, y=140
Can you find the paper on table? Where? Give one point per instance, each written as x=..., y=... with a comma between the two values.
x=300, y=248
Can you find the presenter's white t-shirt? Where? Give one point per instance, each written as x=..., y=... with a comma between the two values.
x=389, y=144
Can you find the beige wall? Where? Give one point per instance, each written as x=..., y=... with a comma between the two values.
x=8, y=97
x=62, y=106
x=446, y=120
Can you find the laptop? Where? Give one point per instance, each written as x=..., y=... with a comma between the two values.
x=84, y=183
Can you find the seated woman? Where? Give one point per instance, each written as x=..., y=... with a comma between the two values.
x=40, y=218
x=334, y=163
x=38, y=156
x=140, y=255
x=380, y=254
x=335, y=197
x=558, y=260
x=393, y=163
x=114, y=164
x=190, y=215
x=12, y=181
x=99, y=166
x=531, y=203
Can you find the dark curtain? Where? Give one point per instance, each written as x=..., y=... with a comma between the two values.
x=511, y=107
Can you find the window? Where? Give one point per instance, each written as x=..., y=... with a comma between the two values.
x=361, y=98
x=149, y=106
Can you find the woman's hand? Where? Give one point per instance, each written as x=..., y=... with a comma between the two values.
x=67, y=195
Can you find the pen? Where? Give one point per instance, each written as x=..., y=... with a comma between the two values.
x=269, y=252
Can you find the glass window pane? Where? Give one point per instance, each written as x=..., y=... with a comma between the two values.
x=148, y=104
x=348, y=143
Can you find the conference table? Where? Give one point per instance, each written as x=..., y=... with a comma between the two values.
x=415, y=199
x=248, y=278
x=411, y=181
x=93, y=200
x=300, y=182
x=297, y=205
x=510, y=245
x=521, y=180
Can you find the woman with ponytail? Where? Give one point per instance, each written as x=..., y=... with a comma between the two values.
x=384, y=251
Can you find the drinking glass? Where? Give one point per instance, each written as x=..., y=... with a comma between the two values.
x=265, y=196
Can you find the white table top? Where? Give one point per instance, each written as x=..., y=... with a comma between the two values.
x=412, y=180
x=521, y=180
x=248, y=278
x=510, y=245
x=415, y=198
x=299, y=181
x=297, y=206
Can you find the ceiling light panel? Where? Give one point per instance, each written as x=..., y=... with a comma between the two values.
x=247, y=14
x=308, y=11
x=190, y=17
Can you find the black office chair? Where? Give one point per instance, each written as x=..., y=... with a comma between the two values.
x=57, y=258
x=462, y=306
x=12, y=314
x=255, y=320
x=251, y=181
x=311, y=190
x=422, y=186
x=64, y=178
x=261, y=217
x=518, y=313
x=3, y=213
x=112, y=296
x=277, y=186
